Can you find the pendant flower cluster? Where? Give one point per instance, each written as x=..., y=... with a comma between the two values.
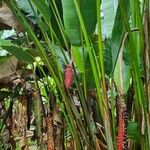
x=68, y=76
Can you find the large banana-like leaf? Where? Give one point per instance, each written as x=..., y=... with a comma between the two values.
x=71, y=21
x=114, y=43
x=109, y=8
x=88, y=11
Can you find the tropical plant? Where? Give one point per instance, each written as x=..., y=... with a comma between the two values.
x=78, y=75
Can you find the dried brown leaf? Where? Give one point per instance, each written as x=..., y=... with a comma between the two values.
x=8, y=19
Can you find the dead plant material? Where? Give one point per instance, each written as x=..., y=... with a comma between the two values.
x=8, y=20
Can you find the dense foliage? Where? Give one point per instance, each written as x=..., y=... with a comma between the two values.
x=75, y=74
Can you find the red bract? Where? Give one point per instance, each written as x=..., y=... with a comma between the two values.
x=121, y=132
x=68, y=76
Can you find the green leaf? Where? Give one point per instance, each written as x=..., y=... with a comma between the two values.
x=107, y=57
x=114, y=43
x=118, y=32
x=89, y=75
x=78, y=58
x=109, y=8
x=55, y=23
x=43, y=9
x=88, y=11
x=133, y=130
x=71, y=20
x=4, y=58
x=17, y=51
x=59, y=57
x=126, y=76
x=25, y=6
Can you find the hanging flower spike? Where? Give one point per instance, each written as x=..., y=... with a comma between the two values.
x=122, y=129
x=68, y=76
x=121, y=133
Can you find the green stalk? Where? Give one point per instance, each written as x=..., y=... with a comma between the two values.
x=47, y=20
x=105, y=112
x=96, y=78
x=59, y=22
x=135, y=65
x=107, y=122
x=47, y=40
x=44, y=55
x=86, y=113
x=139, y=88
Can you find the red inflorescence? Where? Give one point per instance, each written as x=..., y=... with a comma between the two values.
x=68, y=76
x=121, y=132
